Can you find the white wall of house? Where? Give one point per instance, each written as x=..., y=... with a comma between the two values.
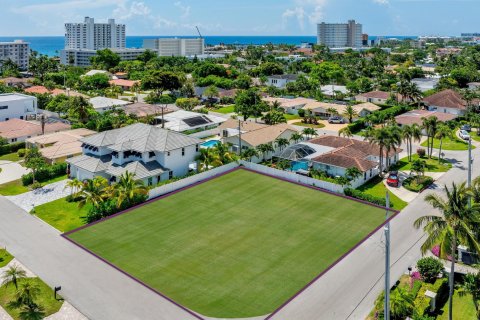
x=339, y=171
x=447, y=110
x=17, y=106
x=179, y=160
x=278, y=83
x=371, y=100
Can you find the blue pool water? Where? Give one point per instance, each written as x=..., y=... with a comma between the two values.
x=296, y=165
x=210, y=143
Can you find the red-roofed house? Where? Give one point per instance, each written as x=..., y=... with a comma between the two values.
x=446, y=101
x=54, y=92
x=122, y=83
x=16, y=130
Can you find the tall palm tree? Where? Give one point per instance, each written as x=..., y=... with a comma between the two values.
x=309, y=133
x=94, y=191
x=281, y=143
x=345, y=132
x=296, y=136
x=414, y=93
x=407, y=137
x=456, y=225
x=386, y=139
x=12, y=275
x=393, y=142
x=224, y=155
x=349, y=112
x=127, y=187
x=32, y=312
x=430, y=125
x=443, y=132
x=207, y=158
x=416, y=135
x=249, y=154
x=75, y=186
x=475, y=190
x=264, y=149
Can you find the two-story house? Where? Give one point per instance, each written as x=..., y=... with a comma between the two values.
x=17, y=106
x=152, y=154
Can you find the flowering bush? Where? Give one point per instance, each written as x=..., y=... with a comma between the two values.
x=415, y=276
x=436, y=251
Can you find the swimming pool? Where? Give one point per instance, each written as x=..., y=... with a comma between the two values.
x=299, y=165
x=210, y=143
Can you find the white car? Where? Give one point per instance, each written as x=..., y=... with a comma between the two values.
x=464, y=135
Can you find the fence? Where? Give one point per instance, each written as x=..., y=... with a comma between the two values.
x=290, y=176
x=174, y=186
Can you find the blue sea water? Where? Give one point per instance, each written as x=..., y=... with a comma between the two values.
x=52, y=45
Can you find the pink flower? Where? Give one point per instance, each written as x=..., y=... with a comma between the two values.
x=436, y=251
x=414, y=276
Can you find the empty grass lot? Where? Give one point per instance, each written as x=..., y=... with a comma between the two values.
x=432, y=165
x=454, y=144
x=62, y=215
x=236, y=246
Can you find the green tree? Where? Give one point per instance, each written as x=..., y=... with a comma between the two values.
x=12, y=275
x=309, y=133
x=429, y=268
x=161, y=80
x=274, y=117
x=97, y=81
x=94, y=192
x=207, y=158
x=211, y=92
x=430, y=125
x=443, y=132
x=105, y=59
x=401, y=303
x=75, y=186
x=418, y=166
x=349, y=112
x=32, y=312
x=281, y=143
x=327, y=72
x=455, y=225
x=187, y=103
x=25, y=295
x=223, y=153
x=127, y=188
x=471, y=286
x=265, y=149
x=345, y=132
x=249, y=153
x=248, y=104
x=296, y=136
x=80, y=109
x=34, y=160
x=353, y=173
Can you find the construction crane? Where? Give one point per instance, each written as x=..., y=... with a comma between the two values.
x=198, y=30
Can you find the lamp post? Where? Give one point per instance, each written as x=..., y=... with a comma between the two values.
x=470, y=160
x=387, y=261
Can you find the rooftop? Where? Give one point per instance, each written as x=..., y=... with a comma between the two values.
x=182, y=120
x=5, y=97
x=266, y=134
x=104, y=102
x=16, y=128
x=447, y=99
x=285, y=76
x=416, y=116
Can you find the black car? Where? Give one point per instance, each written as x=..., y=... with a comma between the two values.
x=466, y=127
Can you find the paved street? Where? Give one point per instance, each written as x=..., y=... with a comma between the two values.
x=87, y=283
x=349, y=290
x=11, y=171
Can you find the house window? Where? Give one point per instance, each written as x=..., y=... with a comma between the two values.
x=150, y=181
x=225, y=133
x=151, y=154
x=168, y=153
x=196, y=148
x=14, y=140
x=364, y=176
x=170, y=175
x=370, y=173
x=183, y=152
x=3, y=107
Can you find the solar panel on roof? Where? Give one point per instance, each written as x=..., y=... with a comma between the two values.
x=197, y=121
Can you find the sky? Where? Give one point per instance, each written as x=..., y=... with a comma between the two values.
x=242, y=17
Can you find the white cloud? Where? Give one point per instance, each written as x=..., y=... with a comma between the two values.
x=184, y=9
x=64, y=6
x=125, y=11
x=382, y=2
x=311, y=10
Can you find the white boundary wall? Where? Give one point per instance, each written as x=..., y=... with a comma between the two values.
x=290, y=176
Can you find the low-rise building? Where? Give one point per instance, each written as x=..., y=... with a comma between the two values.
x=426, y=84
x=377, y=97
x=143, y=110
x=59, y=146
x=447, y=101
x=153, y=154
x=281, y=81
x=102, y=104
x=14, y=82
x=326, y=110
x=333, y=90
x=16, y=130
x=124, y=84
x=417, y=116
x=17, y=51
x=289, y=105
x=81, y=57
x=17, y=106
x=54, y=92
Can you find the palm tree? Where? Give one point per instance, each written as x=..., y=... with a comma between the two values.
x=80, y=108
x=249, y=154
x=32, y=312
x=310, y=133
x=386, y=139
x=296, y=136
x=350, y=113
x=407, y=137
x=127, y=188
x=430, y=125
x=12, y=275
x=207, y=158
x=418, y=166
x=345, y=132
x=332, y=111
x=281, y=143
x=94, y=191
x=475, y=190
x=401, y=303
x=443, y=132
x=353, y=173
x=456, y=225
x=25, y=295
x=224, y=155
x=75, y=186
x=471, y=286
x=264, y=149
x=416, y=135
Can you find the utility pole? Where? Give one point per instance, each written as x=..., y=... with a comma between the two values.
x=470, y=160
x=387, y=261
x=163, y=120
x=239, y=137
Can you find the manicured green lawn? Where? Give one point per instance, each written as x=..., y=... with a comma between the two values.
x=5, y=257
x=474, y=135
x=44, y=299
x=10, y=157
x=375, y=187
x=226, y=110
x=16, y=187
x=292, y=116
x=62, y=215
x=316, y=126
x=449, y=144
x=236, y=246
x=463, y=308
x=432, y=165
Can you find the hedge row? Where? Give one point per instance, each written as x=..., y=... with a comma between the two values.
x=10, y=148
x=45, y=173
x=366, y=197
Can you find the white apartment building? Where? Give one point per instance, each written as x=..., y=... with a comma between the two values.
x=340, y=35
x=81, y=57
x=95, y=36
x=18, y=51
x=17, y=106
x=176, y=47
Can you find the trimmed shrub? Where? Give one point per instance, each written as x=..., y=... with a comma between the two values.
x=21, y=153
x=10, y=148
x=366, y=197
x=429, y=268
x=357, y=126
x=421, y=152
x=109, y=207
x=46, y=173
x=413, y=185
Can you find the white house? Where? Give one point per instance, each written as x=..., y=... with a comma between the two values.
x=17, y=106
x=102, y=104
x=447, y=101
x=280, y=81
x=152, y=154
x=289, y=105
x=332, y=90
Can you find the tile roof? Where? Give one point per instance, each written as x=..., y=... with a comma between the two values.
x=140, y=169
x=142, y=110
x=284, y=76
x=16, y=128
x=376, y=95
x=123, y=82
x=267, y=134
x=447, y=99
x=54, y=92
x=245, y=125
x=90, y=163
x=141, y=138
x=416, y=116
x=104, y=102
x=334, y=158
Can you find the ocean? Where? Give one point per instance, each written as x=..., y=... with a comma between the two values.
x=52, y=45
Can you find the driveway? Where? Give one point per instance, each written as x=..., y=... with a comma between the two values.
x=11, y=171
x=48, y=193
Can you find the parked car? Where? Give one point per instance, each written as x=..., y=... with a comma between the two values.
x=464, y=135
x=335, y=119
x=466, y=127
x=393, y=180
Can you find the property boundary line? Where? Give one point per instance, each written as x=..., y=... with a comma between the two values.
x=240, y=167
